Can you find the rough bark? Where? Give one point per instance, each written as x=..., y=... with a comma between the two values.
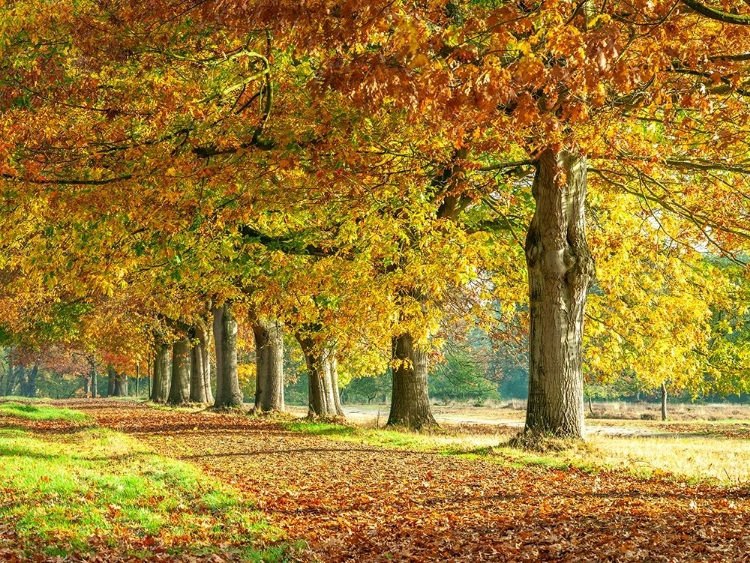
x=322, y=375
x=179, y=390
x=121, y=385
x=410, y=403
x=200, y=382
x=560, y=272
x=269, y=354
x=111, y=375
x=205, y=350
x=162, y=376
x=664, y=401
x=335, y=384
x=228, y=393
x=31, y=381
x=94, y=380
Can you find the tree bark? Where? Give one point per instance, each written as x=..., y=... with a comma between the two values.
x=121, y=384
x=410, y=403
x=179, y=391
x=322, y=376
x=94, y=380
x=160, y=388
x=86, y=385
x=228, y=392
x=560, y=272
x=31, y=381
x=269, y=354
x=664, y=401
x=333, y=360
x=200, y=382
x=111, y=376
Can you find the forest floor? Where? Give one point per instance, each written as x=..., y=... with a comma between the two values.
x=353, y=494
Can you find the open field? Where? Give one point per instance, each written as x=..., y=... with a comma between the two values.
x=351, y=493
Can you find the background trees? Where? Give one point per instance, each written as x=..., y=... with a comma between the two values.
x=363, y=175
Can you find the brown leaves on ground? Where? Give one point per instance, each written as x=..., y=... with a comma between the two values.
x=355, y=502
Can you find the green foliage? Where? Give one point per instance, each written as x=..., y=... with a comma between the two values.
x=368, y=389
x=461, y=378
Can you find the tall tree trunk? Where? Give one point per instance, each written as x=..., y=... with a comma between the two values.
x=560, y=272
x=322, y=376
x=333, y=360
x=137, y=377
x=111, y=377
x=664, y=401
x=228, y=392
x=269, y=355
x=86, y=385
x=162, y=378
x=206, y=351
x=410, y=403
x=120, y=383
x=94, y=380
x=179, y=391
x=31, y=385
x=199, y=391
x=22, y=385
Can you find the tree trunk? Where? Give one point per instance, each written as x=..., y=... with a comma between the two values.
x=335, y=383
x=322, y=377
x=111, y=376
x=200, y=384
x=86, y=385
x=22, y=385
x=94, y=380
x=137, y=377
x=269, y=354
x=560, y=272
x=31, y=381
x=205, y=344
x=121, y=384
x=160, y=388
x=410, y=404
x=179, y=391
x=228, y=393
x=664, y=401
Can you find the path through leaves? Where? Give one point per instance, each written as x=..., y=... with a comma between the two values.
x=355, y=502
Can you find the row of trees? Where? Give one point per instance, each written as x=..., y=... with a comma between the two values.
x=362, y=175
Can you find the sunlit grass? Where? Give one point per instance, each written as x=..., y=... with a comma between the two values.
x=41, y=412
x=73, y=493
x=717, y=458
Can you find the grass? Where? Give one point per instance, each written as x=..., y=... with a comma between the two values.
x=700, y=458
x=41, y=412
x=721, y=460
x=92, y=490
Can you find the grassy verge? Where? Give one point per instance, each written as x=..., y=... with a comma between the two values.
x=717, y=459
x=41, y=412
x=95, y=490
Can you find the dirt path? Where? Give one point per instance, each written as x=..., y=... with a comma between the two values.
x=354, y=502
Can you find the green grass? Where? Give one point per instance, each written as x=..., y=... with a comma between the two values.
x=95, y=489
x=42, y=412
